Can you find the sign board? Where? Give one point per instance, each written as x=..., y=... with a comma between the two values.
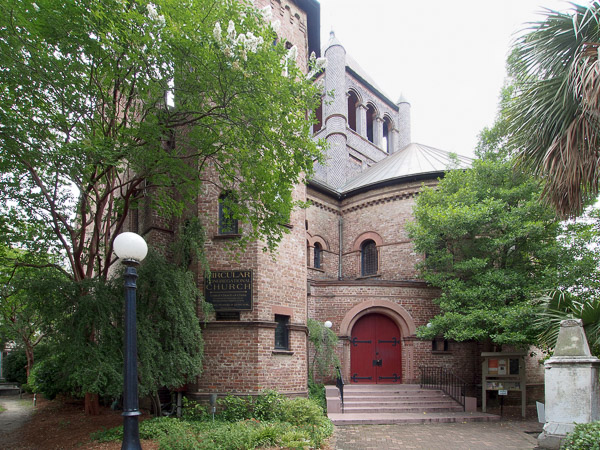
x=229, y=290
x=503, y=392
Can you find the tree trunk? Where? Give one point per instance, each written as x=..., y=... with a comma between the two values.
x=92, y=404
x=29, y=355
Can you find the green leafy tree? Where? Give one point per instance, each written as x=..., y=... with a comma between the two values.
x=324, y=359
x=87, y=124
x=105, y=101
x=577, y=294
x=87, y=336
x=26, y=282
x=490, y=247
x=554, y=114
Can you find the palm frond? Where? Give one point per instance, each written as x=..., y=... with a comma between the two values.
x=554, y=116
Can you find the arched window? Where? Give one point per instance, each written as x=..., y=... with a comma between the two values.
x=227, y=224
x=318, y=255
x=368, y=258
x=318, y=117
x=387, y=135
x=352, y=103
x=371, y=123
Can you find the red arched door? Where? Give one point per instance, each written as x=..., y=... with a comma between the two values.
x=375, y=351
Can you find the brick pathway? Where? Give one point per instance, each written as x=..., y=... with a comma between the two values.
x=446, y=436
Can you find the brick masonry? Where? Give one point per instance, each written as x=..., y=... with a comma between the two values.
x=240, y=357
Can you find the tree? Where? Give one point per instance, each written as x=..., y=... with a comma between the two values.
x=577, y=294
x=325, y=360
x=103, y=101
x=490, y=247
x=170, y=345
x=26, y=282
x=554, y=114
x=87, y=124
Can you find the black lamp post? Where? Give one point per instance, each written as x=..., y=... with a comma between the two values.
x=131, y=249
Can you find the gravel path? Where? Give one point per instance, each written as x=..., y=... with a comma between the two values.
x=17, y=414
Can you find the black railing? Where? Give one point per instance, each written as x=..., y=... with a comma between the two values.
x=339, y=382
x=443, y=379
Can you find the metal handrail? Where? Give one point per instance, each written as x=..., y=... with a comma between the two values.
x=339, y=382
x=444, y=380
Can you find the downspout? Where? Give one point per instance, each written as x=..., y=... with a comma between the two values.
x=340, y=235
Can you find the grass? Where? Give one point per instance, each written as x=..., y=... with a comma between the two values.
x=2, y=409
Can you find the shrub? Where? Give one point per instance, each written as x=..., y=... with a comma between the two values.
x=301, y=411
x=14, y=366
x=267, y=406
x=316, y=392
x=47, y=377
x=296, y=423
x=195, y=411
x=235, y=408
x=585, y=436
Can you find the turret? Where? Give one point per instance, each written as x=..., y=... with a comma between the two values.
x=403, y=123
x=335, y=112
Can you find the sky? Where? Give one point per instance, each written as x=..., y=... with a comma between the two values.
x=447, y=58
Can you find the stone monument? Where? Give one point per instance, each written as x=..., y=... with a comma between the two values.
x=571, y=385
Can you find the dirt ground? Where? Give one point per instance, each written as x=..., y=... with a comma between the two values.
x=62, y=424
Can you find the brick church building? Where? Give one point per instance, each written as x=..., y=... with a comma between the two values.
x=347, y=257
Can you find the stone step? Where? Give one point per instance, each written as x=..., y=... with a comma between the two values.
x=340, y=419
x=382, y=387
x=348, y=409
x=396, y=396
x=415, y=403
x=9, y=389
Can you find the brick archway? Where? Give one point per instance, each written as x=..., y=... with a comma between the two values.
x=397, y=313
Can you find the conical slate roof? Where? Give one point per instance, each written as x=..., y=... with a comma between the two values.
x=414, y=160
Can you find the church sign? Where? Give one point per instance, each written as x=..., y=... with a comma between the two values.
x=229, y=290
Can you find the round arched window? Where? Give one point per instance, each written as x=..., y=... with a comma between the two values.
x=368, y=258
x=318, y=255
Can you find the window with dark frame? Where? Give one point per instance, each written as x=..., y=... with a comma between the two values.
x=227, y=224
x=318, y=255
x=282, y=332
x=369, y=260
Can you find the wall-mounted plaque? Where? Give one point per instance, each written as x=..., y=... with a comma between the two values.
x=229, y=290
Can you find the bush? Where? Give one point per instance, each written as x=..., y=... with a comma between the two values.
x=47, y=376
x=585, y=436
x=286, y=423
x=316, y=392
x=195, y=411
x=301, y=411
x=235, y=408
x=14, y=366
x=267, y=406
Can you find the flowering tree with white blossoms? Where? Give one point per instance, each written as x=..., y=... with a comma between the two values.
x=94, y=92
x=103, y=99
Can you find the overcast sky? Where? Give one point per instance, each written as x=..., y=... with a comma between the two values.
x=446, y=57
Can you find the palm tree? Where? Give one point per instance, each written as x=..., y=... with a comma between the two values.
x=554, y=115
x=561, y=305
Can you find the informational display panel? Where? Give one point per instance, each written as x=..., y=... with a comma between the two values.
x=503, y=372
x=229, y=290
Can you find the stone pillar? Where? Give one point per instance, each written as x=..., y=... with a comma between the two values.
x=378, y=131
x=361, y=120
x=571, y=385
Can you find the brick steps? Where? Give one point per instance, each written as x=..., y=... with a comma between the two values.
x=394, y=404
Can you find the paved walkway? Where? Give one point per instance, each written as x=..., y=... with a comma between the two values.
x=16, y=415
x=445, y=436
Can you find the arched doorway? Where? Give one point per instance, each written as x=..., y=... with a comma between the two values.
x=375, y=351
